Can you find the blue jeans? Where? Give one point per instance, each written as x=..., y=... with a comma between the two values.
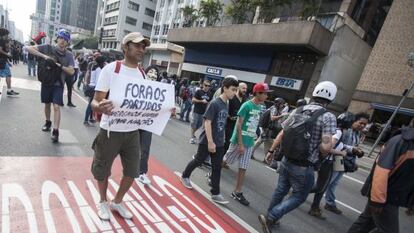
x=186, y=109
x=88, y=112
x=330, y=190
x=31, y=66
x=301, y=180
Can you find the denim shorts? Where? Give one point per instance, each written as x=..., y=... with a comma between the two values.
x=5, y=73
x=52, y=94
x=197, y=121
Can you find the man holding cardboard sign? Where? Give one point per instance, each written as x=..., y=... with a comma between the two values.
x=124, y=140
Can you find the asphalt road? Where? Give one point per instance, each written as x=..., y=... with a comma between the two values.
x=22, y=118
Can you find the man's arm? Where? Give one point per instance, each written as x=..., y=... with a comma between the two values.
x=326, y=144
x=209, y=135
x=276, y=143
x=69, y=70
x=35, y=51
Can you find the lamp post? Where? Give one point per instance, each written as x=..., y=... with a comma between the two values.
x=410, y=62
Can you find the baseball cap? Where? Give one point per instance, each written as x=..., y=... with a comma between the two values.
x=135, y=37
x=261, y=87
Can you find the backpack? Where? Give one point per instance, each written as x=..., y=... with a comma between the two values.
x=297, y=135
x=265, y=119
x=185, y=95
x=47, y=71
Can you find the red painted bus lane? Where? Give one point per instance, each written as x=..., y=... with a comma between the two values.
x=51, y=194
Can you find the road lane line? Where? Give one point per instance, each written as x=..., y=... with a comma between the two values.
x=349, y=207
x=353, y=179
x=224, y=209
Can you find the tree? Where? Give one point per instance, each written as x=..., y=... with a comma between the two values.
x=269, y=9
x=240, y=11
x=190, y=15
x=310, y=8
x=211, y=10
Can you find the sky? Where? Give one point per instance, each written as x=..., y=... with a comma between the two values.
x=19, y=12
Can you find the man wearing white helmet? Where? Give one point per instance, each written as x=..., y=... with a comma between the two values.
x=306, y=134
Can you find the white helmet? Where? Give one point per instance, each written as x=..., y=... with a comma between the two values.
x=326, y=90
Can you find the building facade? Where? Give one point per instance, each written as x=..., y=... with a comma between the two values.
x=293, y=53
x=118, y=18
x=386, y=75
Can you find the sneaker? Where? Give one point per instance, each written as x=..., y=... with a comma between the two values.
x=11, y=92
x=239, y=197
x=121, y=209
x=71, y=105
x=46, y=126
x=316, y=212
x=103, y=210
x=55, y=135
x=86, y=123
x=93, y=121
x=186, y=182
x=219, y=199
x=193, y=140
x=265, y=224
x=333, y=209
x=143, y=178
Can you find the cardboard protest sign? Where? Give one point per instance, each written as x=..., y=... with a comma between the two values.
x=141, y=104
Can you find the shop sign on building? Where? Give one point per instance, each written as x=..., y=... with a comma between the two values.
x=215, y=71
x=288, y=83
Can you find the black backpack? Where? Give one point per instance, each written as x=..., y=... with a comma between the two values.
x=297, y=134
x=47, y=71
x=265, y=119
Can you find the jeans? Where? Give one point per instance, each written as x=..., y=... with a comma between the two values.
x=145, y=138
x=301, y=180
x=80, y=80
x=216, y=159
x=330, y=190
x=69, y=84
x=88, y=112
x=385, y=222
x=186, y=109
x=31, y=66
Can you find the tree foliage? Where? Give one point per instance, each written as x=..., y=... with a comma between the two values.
x=310, y=8
x=269, y=9
x=240, y=11
x=190, y=15
x=211, y=10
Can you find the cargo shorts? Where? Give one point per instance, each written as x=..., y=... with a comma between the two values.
x=126, y=144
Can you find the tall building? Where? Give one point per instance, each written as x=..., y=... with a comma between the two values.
x=4, y=20
x=119, y=18
x=386, y=74
x=77, y=16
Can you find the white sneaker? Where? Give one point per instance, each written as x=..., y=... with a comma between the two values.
x=219, y=199
x=143, y=178
x=121, y=209
x=193, y=140
x=103, y=210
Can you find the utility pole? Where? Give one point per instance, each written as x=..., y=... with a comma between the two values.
x=406, y=93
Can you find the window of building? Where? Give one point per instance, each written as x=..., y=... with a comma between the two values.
x=109, y=33
x=294, y=65
x=162, y=3
x=130, y=20
x=180, y=1
x=157, y=30
x=112, y=7
x=165, y=29
x=146, y=26
x=157, y=17
x=163, y=41
x=149, y=12
x=133, y=6
x=177, y=14
x=154, y=40
x=111, y=20
x=126, y=32
x=176, y=25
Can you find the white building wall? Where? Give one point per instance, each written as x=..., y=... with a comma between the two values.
x=121, y=26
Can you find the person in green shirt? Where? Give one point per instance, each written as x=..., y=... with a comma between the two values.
x=242, y=141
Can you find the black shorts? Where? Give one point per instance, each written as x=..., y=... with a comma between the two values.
x=52, y=94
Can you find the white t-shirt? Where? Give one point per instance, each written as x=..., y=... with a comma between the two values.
x=340, y=146
x=106, y=77
x=94, y=76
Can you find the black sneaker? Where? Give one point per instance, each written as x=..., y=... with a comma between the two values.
x=71, y=105
x=55, y=135
x=93, y=121
x=11, y=92
x=239, y=197
x=316, y=212
x=47, y=126
x=333, y=209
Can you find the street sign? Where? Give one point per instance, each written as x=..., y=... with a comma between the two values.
x=215, y=71
x=288, y=83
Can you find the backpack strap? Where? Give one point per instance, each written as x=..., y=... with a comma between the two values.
x=316, y=114
x=118, y=66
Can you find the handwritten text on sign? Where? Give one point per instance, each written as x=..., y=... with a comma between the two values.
x=141, y=104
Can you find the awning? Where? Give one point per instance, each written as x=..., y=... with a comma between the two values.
x=391, y=108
